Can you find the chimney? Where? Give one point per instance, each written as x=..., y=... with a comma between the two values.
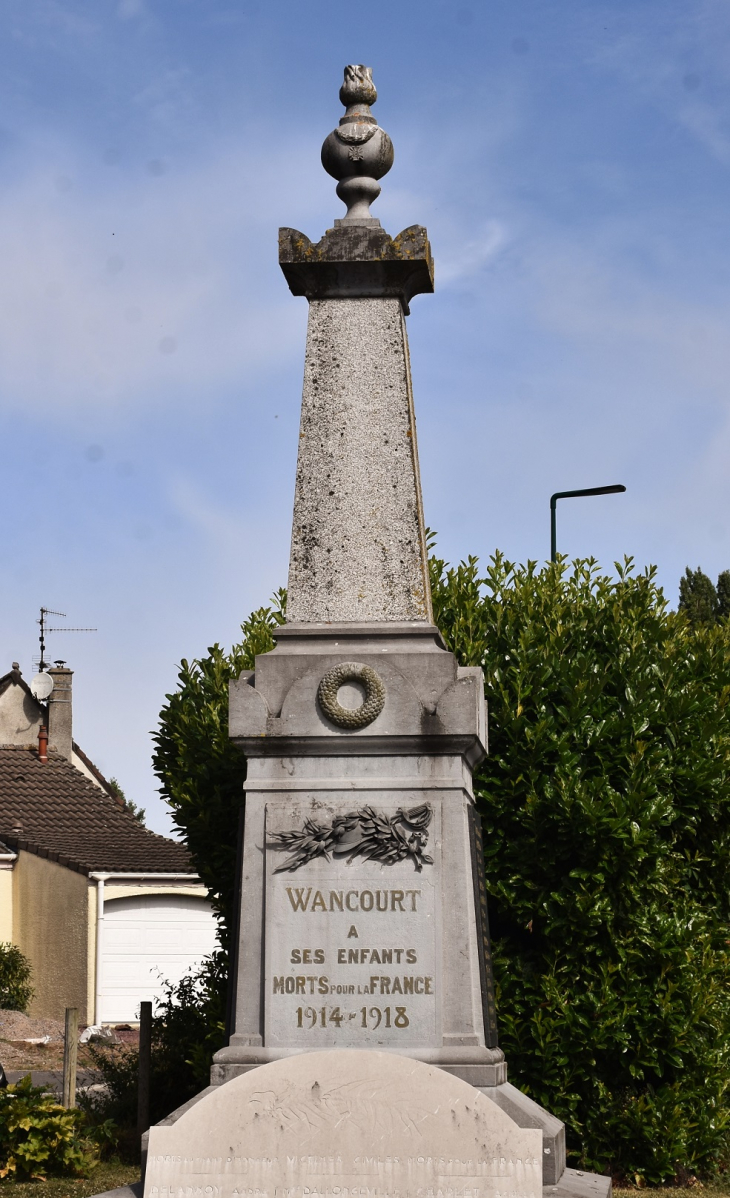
x=60, y=726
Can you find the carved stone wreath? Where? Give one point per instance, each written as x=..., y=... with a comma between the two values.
x=370, y=708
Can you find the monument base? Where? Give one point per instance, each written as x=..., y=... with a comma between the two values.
x=344, y=1124
x=483, y=1068
x=358, y=1124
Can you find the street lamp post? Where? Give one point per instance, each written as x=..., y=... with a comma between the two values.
x=616, y=489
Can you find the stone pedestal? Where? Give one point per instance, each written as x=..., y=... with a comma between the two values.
x=361, y=925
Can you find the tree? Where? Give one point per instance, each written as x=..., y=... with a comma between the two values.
x=697, y=597
x=606, y=809
x=16, y=990
x=133, y=809
x=202, y=774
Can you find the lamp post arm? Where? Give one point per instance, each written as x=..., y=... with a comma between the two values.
x=614, y=489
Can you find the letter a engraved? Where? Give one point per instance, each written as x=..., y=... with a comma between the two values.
x=352, y=932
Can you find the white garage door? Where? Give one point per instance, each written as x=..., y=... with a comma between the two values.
x=145, y=941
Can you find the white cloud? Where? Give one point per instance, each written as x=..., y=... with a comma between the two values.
x=130, y=8
x=459, y=261
x=704, y=123
x=602, y=301
x=120, y=295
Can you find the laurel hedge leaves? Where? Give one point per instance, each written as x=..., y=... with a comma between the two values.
x=606, y=808
x=201, y=773
x=16, y=990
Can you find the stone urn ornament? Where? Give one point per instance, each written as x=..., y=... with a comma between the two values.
x=358, y=152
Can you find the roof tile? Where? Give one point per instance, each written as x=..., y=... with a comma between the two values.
x=53, y=810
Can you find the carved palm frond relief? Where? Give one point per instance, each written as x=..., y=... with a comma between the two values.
x=367, y=833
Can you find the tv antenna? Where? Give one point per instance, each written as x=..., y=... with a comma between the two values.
x=47, y=611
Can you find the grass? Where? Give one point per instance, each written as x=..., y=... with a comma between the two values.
x=104, y=1177
x=705, y=1189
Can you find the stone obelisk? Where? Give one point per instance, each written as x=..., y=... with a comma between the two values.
x=363, y=918
x=360, y=729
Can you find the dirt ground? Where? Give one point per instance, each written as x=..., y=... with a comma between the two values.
x=17, y=1031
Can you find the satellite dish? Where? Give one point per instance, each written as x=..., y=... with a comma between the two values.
x=41, y=685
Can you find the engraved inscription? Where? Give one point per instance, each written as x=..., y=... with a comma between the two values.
x=350, y=965
x=369, y=1176
x=352, y=937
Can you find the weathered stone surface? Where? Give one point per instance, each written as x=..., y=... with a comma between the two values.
x=418, y=751
x=358, y=152
x=430, y=704
x=358, y=541
x=574, y=1183
x=351, y=1124
x=357, y=261
x=526, y=1113
x=353, y=955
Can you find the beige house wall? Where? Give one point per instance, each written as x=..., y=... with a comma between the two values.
x=20, y=717
x=6, y=905
x=50, y=925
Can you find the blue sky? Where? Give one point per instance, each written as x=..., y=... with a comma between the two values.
x=570, y=161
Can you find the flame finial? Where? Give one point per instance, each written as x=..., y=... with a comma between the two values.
x=358, y=152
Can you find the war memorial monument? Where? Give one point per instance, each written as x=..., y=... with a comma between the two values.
x=364, y=1061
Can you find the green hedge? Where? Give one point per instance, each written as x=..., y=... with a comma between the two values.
x=15, y=972
x=38, y=1137
x=606, y=808
x=200, y=771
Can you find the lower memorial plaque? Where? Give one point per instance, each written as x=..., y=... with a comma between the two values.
x=344, y=1124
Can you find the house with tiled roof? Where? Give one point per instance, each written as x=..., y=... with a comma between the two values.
x=104, y=909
